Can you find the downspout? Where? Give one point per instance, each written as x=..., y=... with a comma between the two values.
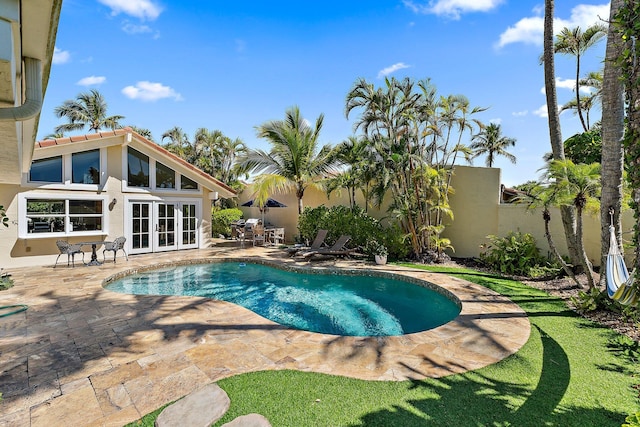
x=33, y=94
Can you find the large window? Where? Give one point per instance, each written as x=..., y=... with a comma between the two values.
x=138, y=168
x=64, y=216
x=85, y=167
x=46, y=170
x=165, y=176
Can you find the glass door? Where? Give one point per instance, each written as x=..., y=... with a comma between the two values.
x=189, y=232
x=140, y=227
x=165, y=227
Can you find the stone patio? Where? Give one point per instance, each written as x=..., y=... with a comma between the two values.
x=84, y=356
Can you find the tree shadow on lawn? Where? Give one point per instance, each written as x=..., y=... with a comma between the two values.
x=474, y=399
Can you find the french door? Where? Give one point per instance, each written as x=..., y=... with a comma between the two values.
x=156, y=226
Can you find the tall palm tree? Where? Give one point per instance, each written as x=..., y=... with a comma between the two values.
x=611, y=162
x=295, y=161
x=87, y=110
x=491, y=142
x=575, y=42
x=555, y=132
x=588, y=101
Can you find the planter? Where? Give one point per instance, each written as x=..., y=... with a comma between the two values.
x=380, y=259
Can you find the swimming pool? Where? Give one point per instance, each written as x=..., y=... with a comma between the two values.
x=348, y=305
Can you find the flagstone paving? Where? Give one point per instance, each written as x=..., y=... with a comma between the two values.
x=84, y=356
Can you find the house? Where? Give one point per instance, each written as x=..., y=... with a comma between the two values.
x=100, y=186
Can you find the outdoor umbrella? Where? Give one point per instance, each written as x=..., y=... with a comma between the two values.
x=270, y=203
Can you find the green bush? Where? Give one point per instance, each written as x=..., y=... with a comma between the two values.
x=362, y=228
x=5, y=283
x=514, y=254
x=221, y=220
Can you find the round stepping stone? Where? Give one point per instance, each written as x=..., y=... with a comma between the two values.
x=251, y=420
x=198, y=409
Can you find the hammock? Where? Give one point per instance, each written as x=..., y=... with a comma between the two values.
x=621, y=285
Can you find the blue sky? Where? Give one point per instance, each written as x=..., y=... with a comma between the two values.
x=235, y=65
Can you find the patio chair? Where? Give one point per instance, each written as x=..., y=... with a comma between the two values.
x=338, y=249
x=70, y=250
x=315, y=245
x=258, y=235
x=277, y=236
x=115, y=246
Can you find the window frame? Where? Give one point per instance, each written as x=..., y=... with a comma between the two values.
x=67, y=172
x=126, y=188
x=23, y=228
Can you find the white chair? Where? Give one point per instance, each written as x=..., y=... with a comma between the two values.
x=258, y=235
x=70, y=250
x=115, y=246
x=277, y=236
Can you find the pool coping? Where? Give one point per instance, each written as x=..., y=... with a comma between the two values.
x=110, y=357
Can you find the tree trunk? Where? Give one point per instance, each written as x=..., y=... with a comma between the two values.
x=555, y=133
x=584, y=260
x=552, y=245
x=611, y=162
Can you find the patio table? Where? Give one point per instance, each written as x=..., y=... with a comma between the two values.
x=94, y=256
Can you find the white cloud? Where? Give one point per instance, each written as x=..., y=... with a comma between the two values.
x=60, y=56
x=91, y=81
x=395, y=67
x=452, y=8
x=131, y=28
x=149, y=91
x=530, y=30
x=520, y=113
x=568, y=84
x=142, y=9
x=542, y=111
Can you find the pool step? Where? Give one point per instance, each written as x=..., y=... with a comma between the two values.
x=203, y=408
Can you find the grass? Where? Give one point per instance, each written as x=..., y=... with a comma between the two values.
x=571, y=372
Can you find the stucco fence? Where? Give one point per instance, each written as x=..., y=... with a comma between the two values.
x=477, y=214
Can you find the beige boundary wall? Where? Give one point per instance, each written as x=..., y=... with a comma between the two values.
x=477, y=214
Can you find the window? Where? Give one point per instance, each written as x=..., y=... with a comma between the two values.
x=138, y=168
x=165, y=176
x=46, y=170
x=63, y=216
x=188, y=184
x=85, y=167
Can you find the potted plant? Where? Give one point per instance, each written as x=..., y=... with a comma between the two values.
x=378, y=250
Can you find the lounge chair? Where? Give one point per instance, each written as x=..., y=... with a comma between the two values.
x=338, y=249
x=70, y=250
x=315, y=245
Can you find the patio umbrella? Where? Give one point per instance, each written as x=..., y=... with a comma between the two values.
x=270, y=203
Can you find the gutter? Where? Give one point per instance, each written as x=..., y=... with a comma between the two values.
x=33, y=94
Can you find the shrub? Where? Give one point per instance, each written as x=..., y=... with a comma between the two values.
x=5, y=282
x=221, y=220
x=356, y=223
x=514, y=254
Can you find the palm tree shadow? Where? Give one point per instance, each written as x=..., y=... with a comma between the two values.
x=474, y=399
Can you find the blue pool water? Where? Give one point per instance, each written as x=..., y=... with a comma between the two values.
x=331, y=304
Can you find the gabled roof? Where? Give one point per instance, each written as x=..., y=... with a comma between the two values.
x=127, y=134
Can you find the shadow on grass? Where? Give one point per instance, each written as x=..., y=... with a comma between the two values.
x=475, y=400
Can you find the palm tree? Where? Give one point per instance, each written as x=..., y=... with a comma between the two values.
x=577, y=185
x=354, y=153
x=178, y=142
x=88, y=109
x=295, y=160
x=611, y=162
x=491, y=142
x=555, y=132
x=575, y=42
x=143, y=132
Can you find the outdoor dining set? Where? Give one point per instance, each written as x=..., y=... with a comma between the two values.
x=73, y=249
x=254, y=231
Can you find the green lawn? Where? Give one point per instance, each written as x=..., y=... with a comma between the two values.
x=571, y=372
